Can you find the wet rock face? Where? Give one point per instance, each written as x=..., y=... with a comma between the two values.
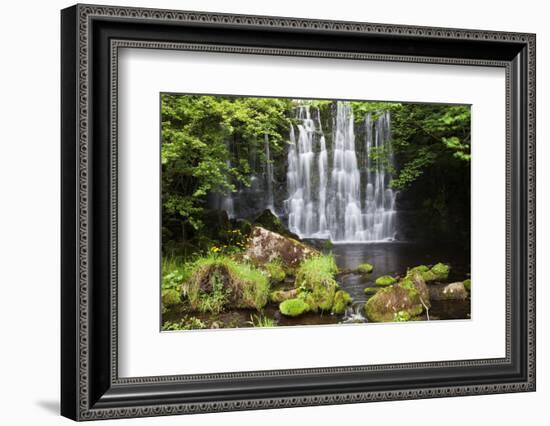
x=453, y=291
x=266, y=246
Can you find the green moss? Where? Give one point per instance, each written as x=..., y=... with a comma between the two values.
x=293, y=307
x=272, y=223
x=316, y=284
x=385, y=280
x=424, y=271
x=401, y=316
x=407, y=284
x=420, y=268
x=217, y=282
x=170, y=297
x=341, y=300
x=441, y=271
x=275, y=271
x=467, y=284
x=371, y=290
x=279, y=296
x=365, y=268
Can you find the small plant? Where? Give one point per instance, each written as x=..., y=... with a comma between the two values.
x=261, y=321
x=276, y=272
x=467, y=284
x=187, y=323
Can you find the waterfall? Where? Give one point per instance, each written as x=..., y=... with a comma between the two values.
x=333, y=204
x=379, y=197
x=227, y=201
x=269, y=176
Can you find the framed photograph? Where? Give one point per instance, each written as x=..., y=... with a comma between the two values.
x=263, y=212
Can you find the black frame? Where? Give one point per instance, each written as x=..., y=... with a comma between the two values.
x=91, y=37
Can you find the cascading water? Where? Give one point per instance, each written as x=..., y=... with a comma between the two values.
x=379, y=197
x=334, y=205
x=268, y=176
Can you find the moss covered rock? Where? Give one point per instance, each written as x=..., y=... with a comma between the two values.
x=385, y=280
x=279, y=296
x=467, y=284
x=426, y=273
x=218, y=282
x=265, y=246
x=293, y=307
x=365, y=268
x=453, y=291
x=316, y=284
x=170, y=297
x=441, y=271
x=371, y=290
x=409, y=297
x=341, y=300
x=271, y=222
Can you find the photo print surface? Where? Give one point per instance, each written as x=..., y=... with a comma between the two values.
x=284, y=212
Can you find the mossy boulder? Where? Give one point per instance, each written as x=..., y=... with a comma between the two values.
x=316, y=284
x=371, y=290
x=365, y=268
x=408, y=297
x=467, y=284
x=385, y=280
x=219, y=282
x=441, y=271
x=426, y=273
x=453, y=291
x=265, y=246
x=293, y=307
x=341, y=300
x=275, y=271
x=271, y=222
x=170, y=297
x=278, y=296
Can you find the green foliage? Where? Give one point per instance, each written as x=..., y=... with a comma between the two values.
x=427, y=136
x=316, y=284
x=467, y=284
x=365, y=268
x=196, y=132
x=262, y=321
x=293, y=307
x=316, y=270
x=187, y=323
x=441, y=271
x=170, y=297
x=276, y=271
x=385, y=280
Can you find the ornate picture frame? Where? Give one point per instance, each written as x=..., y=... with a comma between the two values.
x=91, y=37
